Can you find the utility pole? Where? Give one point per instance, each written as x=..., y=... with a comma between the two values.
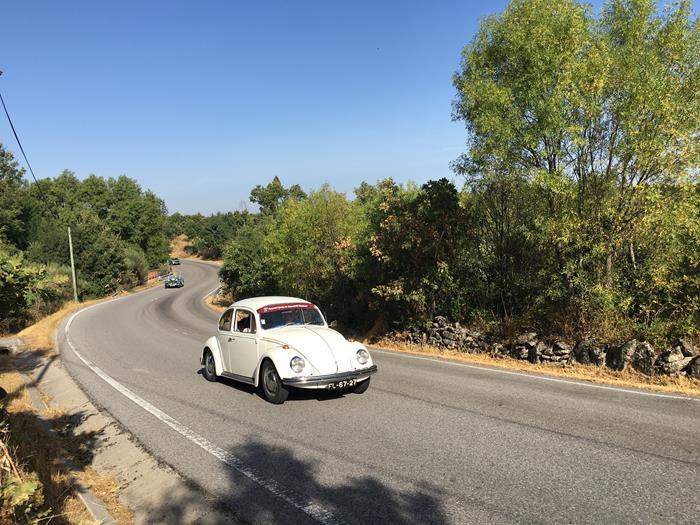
x=72, y=266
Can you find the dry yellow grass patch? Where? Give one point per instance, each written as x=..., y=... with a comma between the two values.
x=45, y=450
x=107, y=489
x=38, y=453
x=179, y=245
x=40, y=335
x=214, y=305
x=219, y=302
x=590, y=373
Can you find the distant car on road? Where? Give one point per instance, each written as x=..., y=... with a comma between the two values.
x=174, y=281
x=174, y=261
x=278, y=343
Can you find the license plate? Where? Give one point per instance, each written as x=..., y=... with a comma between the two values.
x=341, y=384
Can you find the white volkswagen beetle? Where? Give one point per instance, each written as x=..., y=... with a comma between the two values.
x=282, y=342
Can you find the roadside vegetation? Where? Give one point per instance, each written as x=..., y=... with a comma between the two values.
x=574, y=212
x=628, y=378
x=575, y=209
x=117, y=229
x=36, y=485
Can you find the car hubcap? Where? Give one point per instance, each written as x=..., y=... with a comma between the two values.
x=210, y=365
x=271, y=381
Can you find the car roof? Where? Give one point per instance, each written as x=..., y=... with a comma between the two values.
x=255, y=303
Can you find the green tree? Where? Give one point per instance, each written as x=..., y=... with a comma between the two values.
x=415, y=250
x=506, y=263
x=137, y=217
x=99, y=253
x=270, y=197
x=310, y=245
x=216, y=231
x=246, y=270
x=136, y=267
x=597, y=116
x=23, y=285
x=14, y=206
x=189, y=225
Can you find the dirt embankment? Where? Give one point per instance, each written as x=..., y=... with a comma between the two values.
x=181, y=247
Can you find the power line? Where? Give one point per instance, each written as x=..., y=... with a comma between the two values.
x=19, y=143
x=41, y=191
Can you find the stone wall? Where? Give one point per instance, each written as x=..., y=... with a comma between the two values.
x=681, y=359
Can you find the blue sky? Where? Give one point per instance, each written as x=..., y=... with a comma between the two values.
x=200, y=101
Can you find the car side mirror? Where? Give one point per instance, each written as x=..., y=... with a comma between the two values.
x=333, y=324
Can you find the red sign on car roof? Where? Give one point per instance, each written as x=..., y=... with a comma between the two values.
x=284, y=306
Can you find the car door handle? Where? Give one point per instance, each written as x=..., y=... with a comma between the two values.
x=231, y=339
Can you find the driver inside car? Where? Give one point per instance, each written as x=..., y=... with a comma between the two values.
x=245, y=322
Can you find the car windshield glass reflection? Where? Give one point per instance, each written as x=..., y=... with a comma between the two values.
x=291, y=316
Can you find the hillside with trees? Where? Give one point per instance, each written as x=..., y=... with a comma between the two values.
x=575, y=209
x=117, y=229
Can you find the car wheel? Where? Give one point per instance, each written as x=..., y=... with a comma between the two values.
x=209, y=367
x=361, y=387
x=275, y=392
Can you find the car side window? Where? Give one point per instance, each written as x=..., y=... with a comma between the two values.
x=245, y=321
x=225, y=321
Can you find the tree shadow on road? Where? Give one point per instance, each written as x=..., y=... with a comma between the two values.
x=354, y=499
x=270, y=484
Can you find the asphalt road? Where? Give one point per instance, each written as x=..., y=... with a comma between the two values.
x=430, y=441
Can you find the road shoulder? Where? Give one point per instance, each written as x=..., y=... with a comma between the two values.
x=586, y=375
x=150, y=489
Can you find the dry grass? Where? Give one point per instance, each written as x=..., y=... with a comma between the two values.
x=42, y=451
x=179, y=245
x=39, y=336
x=104, y=487
x=179, y=248
x=590, y=373
x=214, y=304
x=219, y=302
x=40, y=454
x=107, y=489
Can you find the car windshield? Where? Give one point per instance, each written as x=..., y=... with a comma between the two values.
x=291, y=316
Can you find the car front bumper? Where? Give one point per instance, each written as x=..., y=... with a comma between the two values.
x=325, y=380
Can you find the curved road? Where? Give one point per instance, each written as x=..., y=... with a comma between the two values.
x=430, y=442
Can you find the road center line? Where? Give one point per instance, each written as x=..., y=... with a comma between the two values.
x=298, y=501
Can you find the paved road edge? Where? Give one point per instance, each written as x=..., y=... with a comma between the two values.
x=146, y=484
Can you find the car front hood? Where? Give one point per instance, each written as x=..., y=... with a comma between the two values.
x=323, y=348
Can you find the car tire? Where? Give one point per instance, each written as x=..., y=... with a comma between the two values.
x=361, y=387
x=271, y=384
x=209, y=367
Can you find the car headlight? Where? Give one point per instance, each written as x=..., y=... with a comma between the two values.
x=297, y=364
x=362, y=356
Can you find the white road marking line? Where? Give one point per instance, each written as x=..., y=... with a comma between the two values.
x=532, y=376
x=298, y=501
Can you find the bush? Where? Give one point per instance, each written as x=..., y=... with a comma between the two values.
x=24, y=286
